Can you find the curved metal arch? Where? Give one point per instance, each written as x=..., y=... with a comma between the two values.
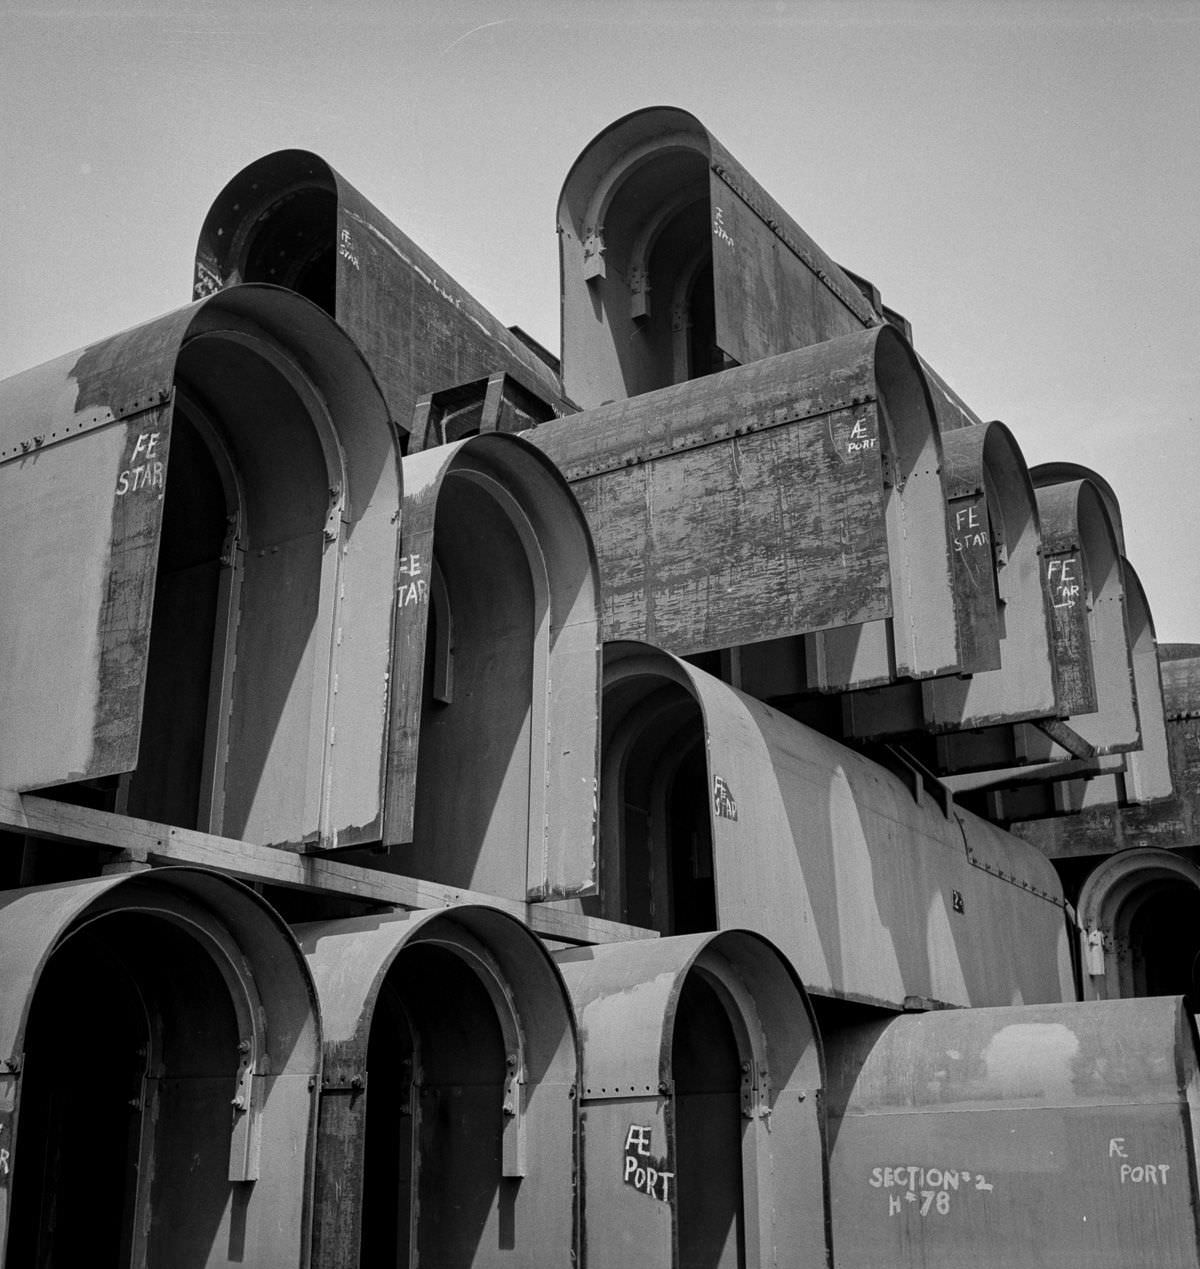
x=1104, y=913
x=1087, y=604
x=1008, y=631
x=526, y=492
x=249, y=1010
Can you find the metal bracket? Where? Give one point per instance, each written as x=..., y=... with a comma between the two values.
x=513, y=1146
x=333, y=517
x=756, y=1091
x=593, y=254
x=245, y=1145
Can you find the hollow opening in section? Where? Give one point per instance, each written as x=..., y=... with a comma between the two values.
x=485, y=650
x=1160, y=926
x=433, y=1193
x=294, y=244
x=124, y=1125
x=706, y=1068
x=657, y=845
x=190, y=593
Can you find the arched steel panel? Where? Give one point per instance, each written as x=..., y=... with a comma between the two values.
x=996, y=540
x=289, y=218
x=1087, y=600
x=872, y=888
x=311, y=468
x=768, y=1172
x=657, y=180
x=518, y=718
x=798, y=494
x=269, y=1135
x=1040, y=1135
x=351, y=960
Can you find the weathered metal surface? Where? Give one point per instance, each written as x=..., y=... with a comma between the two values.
x=290, y=219
x=302, y=600
x=83, y=455
x=356, y=964
x=1127, y=948
x=1040, y=1136
x=1000, y=602
x=244, y=952
x=1149, y=767
x=755, y=505
x=871, y=887
x=497, y=660
x=662, y=230
x=1087, y=601
x=922, y=639
x=685, y=1163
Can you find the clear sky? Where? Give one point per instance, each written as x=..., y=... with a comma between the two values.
x=1021, y=180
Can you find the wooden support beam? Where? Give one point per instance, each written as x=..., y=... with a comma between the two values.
x=139, y=842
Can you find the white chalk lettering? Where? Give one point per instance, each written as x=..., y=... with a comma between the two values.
x=149, y=474
x=968, y=540
x=1144, y=1173
x=638, y=1138
x=346, y=248
x=930, y=1189
x=412, y=592
x=719, y=230
x=1116, y=1148
x=1065, y=586
x=643, y=1173
x=410, y=565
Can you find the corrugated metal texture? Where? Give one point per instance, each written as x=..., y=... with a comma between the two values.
x=289, y=218
x=271, y=996
x=1048, y=1135
x=500, y=591
x=638, y=1011
x=309, y=542
x=351, y=962
x=646, y=209
x=864, y=881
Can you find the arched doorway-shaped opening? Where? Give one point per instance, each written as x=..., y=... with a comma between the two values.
x=707, y=1094
x=433, y=1154
x=707, y=1064
x=447, y=1114
x=1139, y=918
x=214, y=468
x=497, y=665
x=291, y=220
x=1090, y=636
x=656, y=846
x=196, y=1014
x=675, y=263
x=1004, y=620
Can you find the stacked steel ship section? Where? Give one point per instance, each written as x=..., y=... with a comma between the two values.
x=703, y=802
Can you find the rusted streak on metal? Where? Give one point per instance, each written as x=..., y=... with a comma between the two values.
x=702, y=437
